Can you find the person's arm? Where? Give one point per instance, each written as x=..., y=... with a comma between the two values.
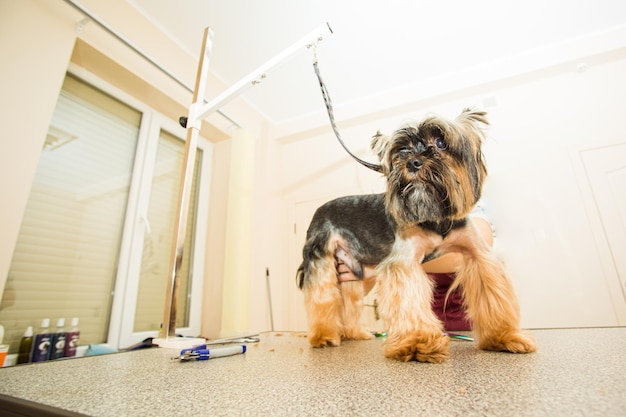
x=450, y=262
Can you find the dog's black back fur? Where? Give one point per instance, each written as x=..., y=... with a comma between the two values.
x=362, y=222
x=365, y=227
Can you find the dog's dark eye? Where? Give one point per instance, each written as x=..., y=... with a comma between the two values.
x=441, y=144
x=404, y=152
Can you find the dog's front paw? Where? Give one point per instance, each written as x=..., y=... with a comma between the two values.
x=514, y=342
x=419, y=346
x=323, y=337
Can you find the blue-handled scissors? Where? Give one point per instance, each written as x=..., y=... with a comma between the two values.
x=201, y=353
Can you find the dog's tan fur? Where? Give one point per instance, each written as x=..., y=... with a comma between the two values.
x=404, y=289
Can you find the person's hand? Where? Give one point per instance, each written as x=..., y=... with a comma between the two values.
x=450, y=262
x=344, y=273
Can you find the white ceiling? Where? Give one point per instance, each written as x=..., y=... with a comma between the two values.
x=377, y=47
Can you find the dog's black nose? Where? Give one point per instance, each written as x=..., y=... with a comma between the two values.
x=414, y=165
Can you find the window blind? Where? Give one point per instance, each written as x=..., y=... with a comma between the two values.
x=65, y=259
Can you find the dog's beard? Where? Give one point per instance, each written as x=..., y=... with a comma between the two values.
x=431, y=194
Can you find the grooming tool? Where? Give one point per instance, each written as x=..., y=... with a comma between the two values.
x=244, y=339
x=459, y=336
x=269, y=297
x=201, y=353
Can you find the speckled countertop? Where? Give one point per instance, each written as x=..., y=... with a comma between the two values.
x=576, y=372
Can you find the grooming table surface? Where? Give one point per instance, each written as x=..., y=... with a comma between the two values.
x=575, y=372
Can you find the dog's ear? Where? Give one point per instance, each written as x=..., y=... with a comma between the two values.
x=473, y=116
x=473, y=123
x=378, y=145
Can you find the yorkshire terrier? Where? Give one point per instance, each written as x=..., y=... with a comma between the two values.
x=435, y=172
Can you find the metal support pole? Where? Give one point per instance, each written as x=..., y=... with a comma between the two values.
x=180, y=226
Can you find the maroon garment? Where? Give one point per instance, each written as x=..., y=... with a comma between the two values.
x=452, y=312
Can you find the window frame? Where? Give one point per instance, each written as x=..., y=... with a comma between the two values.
x=124, y=295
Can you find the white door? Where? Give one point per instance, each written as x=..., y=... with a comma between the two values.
x=606, y=171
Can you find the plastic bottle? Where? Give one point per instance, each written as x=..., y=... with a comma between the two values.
x=57, y=349
x=26, y=346
x=4, y=349
x=71, y=341
x=42, y=342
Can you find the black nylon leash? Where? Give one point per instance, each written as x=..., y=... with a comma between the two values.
x=329, y=109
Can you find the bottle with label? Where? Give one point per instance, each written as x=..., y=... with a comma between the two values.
x=42, y=342
x=71, y=341
x=26, y=345
x=57, y=349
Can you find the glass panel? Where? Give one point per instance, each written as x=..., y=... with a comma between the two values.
x=158, y=238
x=65, y=260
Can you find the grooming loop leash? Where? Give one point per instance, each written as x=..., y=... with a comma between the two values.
x=329, y=110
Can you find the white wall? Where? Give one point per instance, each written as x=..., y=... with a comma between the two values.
x=545, y=229
x=31, y=38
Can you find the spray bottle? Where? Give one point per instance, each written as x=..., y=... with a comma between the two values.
x=57, y=348
x=71, y=342
x=41, y=342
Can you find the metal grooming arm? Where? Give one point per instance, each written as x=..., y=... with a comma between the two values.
x=198, y=111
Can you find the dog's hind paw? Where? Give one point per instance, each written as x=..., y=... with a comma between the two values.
x=418, y=346
x=514, y=342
